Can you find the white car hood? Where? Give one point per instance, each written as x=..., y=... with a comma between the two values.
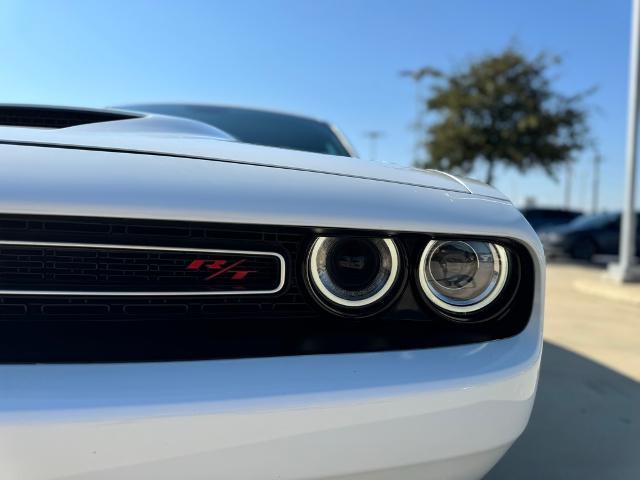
x=184, y=138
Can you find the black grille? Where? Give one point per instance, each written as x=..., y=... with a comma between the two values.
x=48, y=268
x=60, y=269
x=53, y=117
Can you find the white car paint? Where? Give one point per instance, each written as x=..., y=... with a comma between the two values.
x=152, y=134
x=434, y=413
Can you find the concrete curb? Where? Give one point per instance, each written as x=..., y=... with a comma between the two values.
x=607, y=288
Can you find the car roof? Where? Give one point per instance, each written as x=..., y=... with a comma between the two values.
x=160, y=107
x=549, y=210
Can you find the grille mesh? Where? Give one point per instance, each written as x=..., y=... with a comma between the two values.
x=91, y=268
x=70, y=268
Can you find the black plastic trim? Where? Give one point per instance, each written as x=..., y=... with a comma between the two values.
x=55, y=117
x=291, y=323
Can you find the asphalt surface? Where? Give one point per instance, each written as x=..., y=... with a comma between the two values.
x=586, y=420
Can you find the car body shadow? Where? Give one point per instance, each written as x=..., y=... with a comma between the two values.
x=585, y=424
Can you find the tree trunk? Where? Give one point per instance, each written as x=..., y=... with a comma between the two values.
x=489, y=178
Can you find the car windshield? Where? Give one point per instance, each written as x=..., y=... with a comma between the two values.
x=259, y=127
x=593, y=221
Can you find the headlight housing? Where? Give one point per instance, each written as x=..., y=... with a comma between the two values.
x=353, y=272
x=456, y=279
x=462, y=276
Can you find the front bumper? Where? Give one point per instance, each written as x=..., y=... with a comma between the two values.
x=443, y=412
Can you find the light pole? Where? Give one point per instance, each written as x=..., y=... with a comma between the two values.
x=373, y=136
x=595, y=186
x=567, y=185
x=626, y=269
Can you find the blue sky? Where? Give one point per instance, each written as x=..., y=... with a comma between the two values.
x=334, y=59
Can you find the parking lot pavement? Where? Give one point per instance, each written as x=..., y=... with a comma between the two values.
x=586, y=420
x=595, y=324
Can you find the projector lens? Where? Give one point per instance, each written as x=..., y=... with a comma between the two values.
x=462, y=276
x=353, y=271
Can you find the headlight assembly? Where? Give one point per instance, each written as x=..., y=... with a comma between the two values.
x=460, y=279
x=353, y=272
x=462, y=276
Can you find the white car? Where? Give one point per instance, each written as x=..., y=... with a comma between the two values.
x=176, y=304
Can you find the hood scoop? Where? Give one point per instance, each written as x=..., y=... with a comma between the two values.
x=54, y=117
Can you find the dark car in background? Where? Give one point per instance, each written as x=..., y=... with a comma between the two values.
x=260, y=127
x=586, y=236
x=542, y=218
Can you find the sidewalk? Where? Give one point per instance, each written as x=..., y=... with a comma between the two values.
x=594, y=317
x=596, y=282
